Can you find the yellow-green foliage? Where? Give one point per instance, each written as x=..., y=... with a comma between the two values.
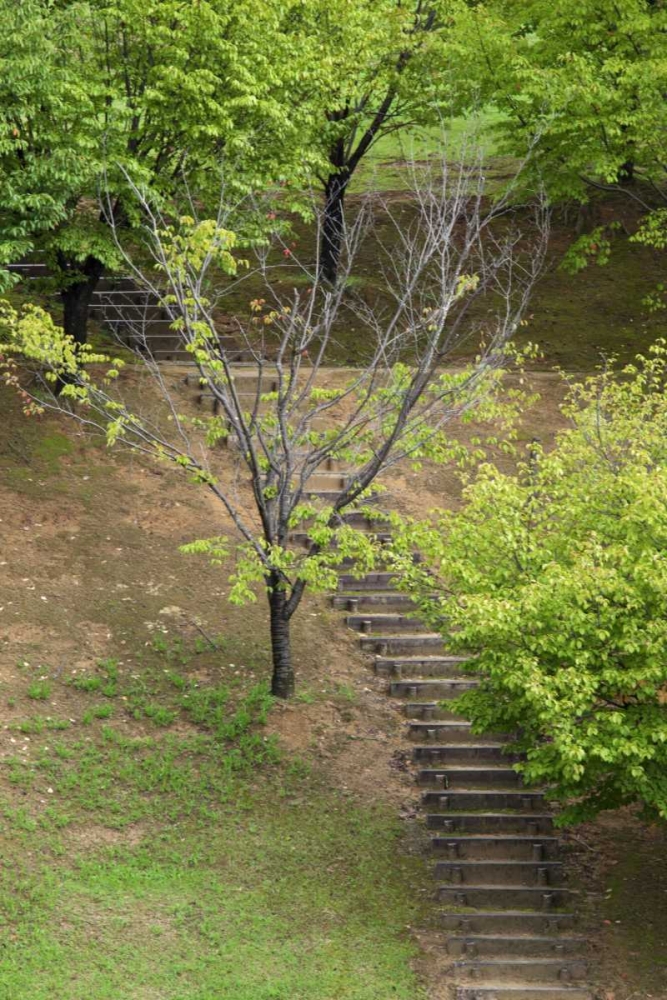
x=555, y=579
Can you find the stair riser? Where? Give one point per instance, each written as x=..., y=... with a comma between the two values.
x=383, y=645
x=529, y=849
x=486, y=800
x=432, y=756
x=374, y=581
x=370, y=602
x=426, y=690
x=476, y=777
x=436, y=667
x=507, y=923
x=442, y=731
x=520, y=947
x=501, y=897
x=376, y=626
x=474, y=992
x=503, y=823
x=561, y=971
x=436, y=712
x=511, y=873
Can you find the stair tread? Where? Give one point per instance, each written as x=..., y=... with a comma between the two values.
x=435, y=747
x=416, y=681
x=493, y=768
x=543, y=890
x=517, y=960
x=547, y=938
x=494, y=862
x=536, y=914
x=499, y=837
x=564, y=991
x=453, y=814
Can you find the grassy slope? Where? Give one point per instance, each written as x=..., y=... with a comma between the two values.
x=156, y=842
x=575, y=319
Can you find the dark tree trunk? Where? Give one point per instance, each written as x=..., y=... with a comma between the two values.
x=77, y=295
x=626, y=173
x=282, y=681
x=333, y=224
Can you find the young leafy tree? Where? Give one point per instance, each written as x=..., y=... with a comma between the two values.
x=583, y=84
x=554, y=580
x=106, y=94
x=294, y=419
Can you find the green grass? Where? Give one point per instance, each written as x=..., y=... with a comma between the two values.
x=192, y=863
x=293, y=899
x=39, y=690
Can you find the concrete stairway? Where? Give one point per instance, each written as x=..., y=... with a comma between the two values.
x=135, y=317
x=507, y=913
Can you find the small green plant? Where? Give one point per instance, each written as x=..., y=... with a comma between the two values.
x=96, y=712
x=160, y=715
x=88, y=684
x=346, y=691
x=177, y=681
x=38, y=723
x=39, y=690
x=159, y=643
x=306, y=696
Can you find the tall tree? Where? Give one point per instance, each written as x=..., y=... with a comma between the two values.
x=289, y=424
x=378, y=67
x=109, y=93
x=583, y=83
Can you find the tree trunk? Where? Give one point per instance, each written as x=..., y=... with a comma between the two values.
x=282, y=681
x=77, y=295
x=333, y=224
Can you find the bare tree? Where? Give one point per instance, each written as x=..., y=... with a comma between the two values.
x=458, y=272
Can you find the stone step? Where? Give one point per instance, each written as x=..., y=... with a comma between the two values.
x=371, y=521
x=470, y=777
x=462, y=753
x=420, y=666
x=518, y=922
x=371, y=581
x=374, y=624
x=401, y=643
x=329, y=480
x=501, y=897
x=520, y=970
x=435, y=712
x=529, y=824
x=509, y=847
x=368, y=602
x=507, y=991
x=442, y=688
x=246, y=382
x=499, y=872
x=446, y=730
x=522, y=945
x=484, y=799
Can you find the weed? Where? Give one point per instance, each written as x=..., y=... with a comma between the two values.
x=346, y=691
x=39, y=690
x=96, y=712
x=38, y=723
x=159, y=715
x=88, y=684
x=305, y=696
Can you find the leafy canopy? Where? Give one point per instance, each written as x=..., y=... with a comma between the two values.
x=554, y=579
x=99, y=95
x=582, y=83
